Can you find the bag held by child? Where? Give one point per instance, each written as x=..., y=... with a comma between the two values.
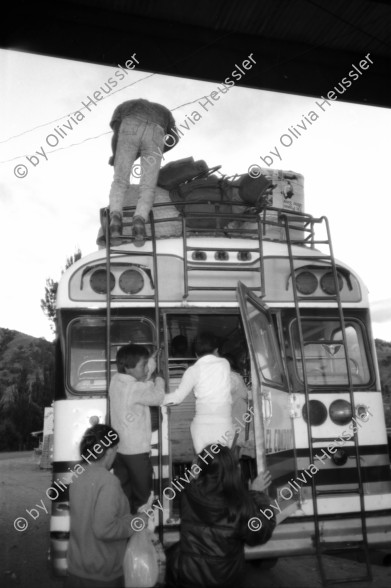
x=141, y=568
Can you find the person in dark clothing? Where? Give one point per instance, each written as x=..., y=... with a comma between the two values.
x=217, y=512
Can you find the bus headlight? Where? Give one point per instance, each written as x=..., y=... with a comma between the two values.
x=306, y=282
x=98, y=281
x=318, y=413
x=131, y=281
x=327, y=283
x=340, y=412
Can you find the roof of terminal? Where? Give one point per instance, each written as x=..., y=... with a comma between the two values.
x=302, y=46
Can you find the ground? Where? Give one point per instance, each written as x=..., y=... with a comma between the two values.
x=24, y=556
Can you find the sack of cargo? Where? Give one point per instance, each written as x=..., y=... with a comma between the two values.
x=182, y=170
x=200, y=200
x=287, y=195
x=255, y=191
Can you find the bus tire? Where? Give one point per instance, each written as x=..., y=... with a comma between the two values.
x=387, y=560
x=264, y=564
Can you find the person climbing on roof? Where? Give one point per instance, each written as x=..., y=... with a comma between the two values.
x=140, y=129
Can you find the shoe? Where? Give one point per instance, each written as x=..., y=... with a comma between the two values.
x=139, y=233
x=115, y=226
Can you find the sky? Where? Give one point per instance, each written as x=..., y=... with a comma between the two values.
x=52, y=208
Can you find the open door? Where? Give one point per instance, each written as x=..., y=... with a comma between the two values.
x=273, y=426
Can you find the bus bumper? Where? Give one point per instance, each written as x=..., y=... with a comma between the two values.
x=297, y=536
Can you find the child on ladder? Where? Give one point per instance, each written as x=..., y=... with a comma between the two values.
x=131, y=397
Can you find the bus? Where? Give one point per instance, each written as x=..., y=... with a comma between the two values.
x=265, y=280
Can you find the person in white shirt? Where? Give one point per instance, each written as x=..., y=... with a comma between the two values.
x=210, y=379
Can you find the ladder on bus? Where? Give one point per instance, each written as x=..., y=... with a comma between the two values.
x=198, y=262
x=324, y=547
x=113, y=253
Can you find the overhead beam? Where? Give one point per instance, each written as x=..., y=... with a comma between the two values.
x=70, y=31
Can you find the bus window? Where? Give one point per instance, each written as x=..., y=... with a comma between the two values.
x=86, y=339
x=265, y=345
x=325, y=360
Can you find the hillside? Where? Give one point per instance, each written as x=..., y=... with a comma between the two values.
x=27, y=377
x=26, y=387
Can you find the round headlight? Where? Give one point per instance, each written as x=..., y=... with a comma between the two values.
x=98, y=281
x=318, y=413
x=340, y=412
x=131, y=281
x=327, y=283
x=306, y=282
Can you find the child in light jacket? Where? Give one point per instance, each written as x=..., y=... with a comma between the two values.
x=131, y=397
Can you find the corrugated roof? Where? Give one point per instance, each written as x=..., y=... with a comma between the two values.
x=340, y=24
x=304, y=44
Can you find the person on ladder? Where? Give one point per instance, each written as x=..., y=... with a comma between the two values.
x=140, y=129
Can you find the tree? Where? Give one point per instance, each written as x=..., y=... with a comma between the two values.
x=20, y=413
x=48, y=303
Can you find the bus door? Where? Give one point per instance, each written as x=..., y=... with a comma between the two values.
x=273, y=425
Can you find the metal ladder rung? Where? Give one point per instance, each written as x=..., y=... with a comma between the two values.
x=219, y=268
x=322, y=439
x=311, y=257
x=330, y=298
x=219, y=288
x=324, y=342
x=340, y=545
x=135, y=297
x=335, y=581
x=123, y=253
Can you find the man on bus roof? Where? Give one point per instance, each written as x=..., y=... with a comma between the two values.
x=140, y=129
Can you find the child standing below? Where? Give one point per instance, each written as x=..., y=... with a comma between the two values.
x=100, y=519
x=130, y=399
x=210, y=379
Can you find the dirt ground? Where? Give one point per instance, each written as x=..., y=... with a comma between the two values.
x=24, y=554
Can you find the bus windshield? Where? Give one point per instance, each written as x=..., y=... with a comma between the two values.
x=86, y=369
x=325, y=356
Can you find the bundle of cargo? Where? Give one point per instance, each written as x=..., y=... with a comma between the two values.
x=204, y=198
x=213, y=203
x=284, y=194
